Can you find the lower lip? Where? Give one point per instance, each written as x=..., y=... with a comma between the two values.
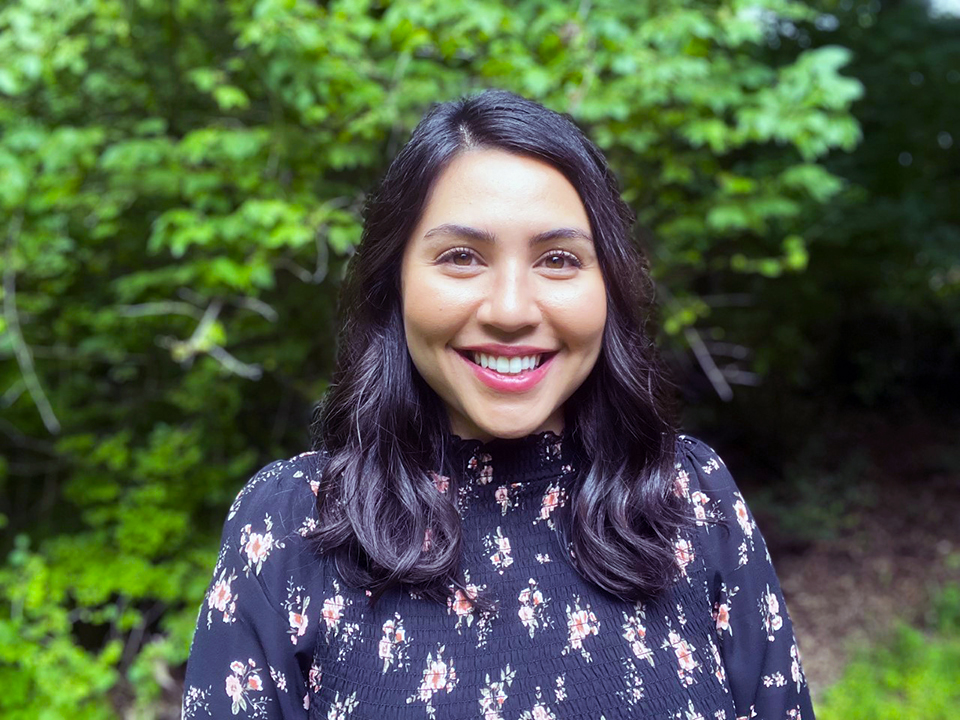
x=521, y=382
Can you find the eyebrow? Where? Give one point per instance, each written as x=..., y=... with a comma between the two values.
x=486, y=236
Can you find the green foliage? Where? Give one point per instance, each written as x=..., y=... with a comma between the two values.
x=913, y=675
x=180, y=186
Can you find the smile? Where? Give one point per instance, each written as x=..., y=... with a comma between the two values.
x=506, y=365
x=531, y=369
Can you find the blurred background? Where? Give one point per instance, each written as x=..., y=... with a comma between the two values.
x=181, y=183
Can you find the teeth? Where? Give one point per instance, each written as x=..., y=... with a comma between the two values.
x=507, y=365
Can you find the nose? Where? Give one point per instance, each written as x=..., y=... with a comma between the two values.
x=511, y=302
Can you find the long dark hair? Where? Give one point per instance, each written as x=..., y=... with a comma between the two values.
x=385, y=430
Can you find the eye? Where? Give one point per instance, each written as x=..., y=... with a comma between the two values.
x=460, y=257
x=560, y=260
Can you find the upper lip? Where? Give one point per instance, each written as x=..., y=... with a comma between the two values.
x=506, y=350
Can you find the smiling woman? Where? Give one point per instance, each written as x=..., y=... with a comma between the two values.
x=503, y=298
x=498, y=519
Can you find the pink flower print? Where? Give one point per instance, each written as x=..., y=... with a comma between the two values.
x=493, y=695
x=333, y=611
x=581, y=624
x=553, y=498
x=234, y=689
x=486, y=471
x=438, y=675
x=222, y=599
x=499, y=545
x=743, y=517
x=440, y=482
x=683, y=551
x=635, y=633
x=686, y=662
x=315, y=487
x=462, y=602
x=257, y=546
x=721, y=615
x=298, y=625
x=244, y=680
x=314, y=678
x=533, y=607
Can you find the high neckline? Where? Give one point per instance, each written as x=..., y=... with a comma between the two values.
x=535, y=457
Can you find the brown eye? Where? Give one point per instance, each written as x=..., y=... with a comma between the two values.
x=463, y=259
x=555, y=261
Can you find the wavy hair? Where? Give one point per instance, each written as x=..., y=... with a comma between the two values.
x=385, y=430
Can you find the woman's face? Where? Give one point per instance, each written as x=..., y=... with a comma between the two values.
x=503, y=300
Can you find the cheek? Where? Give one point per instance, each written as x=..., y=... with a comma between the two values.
x=584, y=314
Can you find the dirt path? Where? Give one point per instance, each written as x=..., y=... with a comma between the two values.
x=847, y=592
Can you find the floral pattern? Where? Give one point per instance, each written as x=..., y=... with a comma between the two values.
x=438, y=676
x=394, y=644
x=522, y=634
x=499, y=546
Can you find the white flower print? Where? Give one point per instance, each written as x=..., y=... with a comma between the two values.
x=635, y=633
x=296, y=607
x=560, y=692
x=332, y=614
x=554, y=497
x=438, y=676
x=684, y=651
x=581, y=624
x=540, y=710
x=683, y=552
x=257, y=546
x=775, y=680
x=720, y=671
x=279, y=679
x=499, y=547
x=494, y=694
x=243, y=686
x=699, y=501
x=691, y=712
x=194, y=700
x=533, y=608
x=633, y=691
x=770, y=609
x=543, y=558
x=796, y=671
x=342, y=709
x=712, y=464
x=394, y=643
x=222, y=599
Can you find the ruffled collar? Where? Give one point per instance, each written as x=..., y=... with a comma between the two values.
x=540, y=456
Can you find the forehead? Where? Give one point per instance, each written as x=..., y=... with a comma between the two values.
x=494, y=187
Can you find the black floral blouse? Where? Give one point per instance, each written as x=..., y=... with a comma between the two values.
x=280, y=636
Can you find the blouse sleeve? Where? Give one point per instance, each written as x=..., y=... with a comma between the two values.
x=755, y=635
x=252, y=649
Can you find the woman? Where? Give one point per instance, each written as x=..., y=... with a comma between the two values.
x=499, y=519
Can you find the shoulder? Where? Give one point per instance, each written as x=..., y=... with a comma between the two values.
x=700, y=468
x=277, y=504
